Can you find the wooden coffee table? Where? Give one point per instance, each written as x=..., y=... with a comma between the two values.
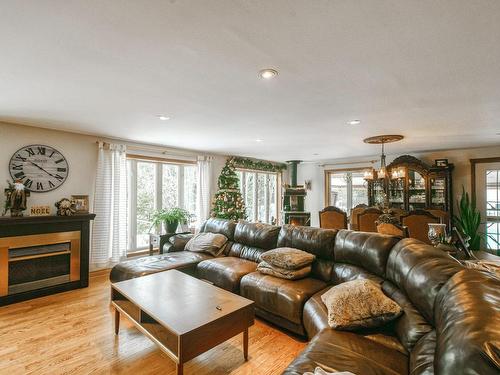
x=184, y=316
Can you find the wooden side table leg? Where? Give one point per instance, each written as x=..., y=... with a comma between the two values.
x=117, y=321
x=245, y=344
x=180, y=368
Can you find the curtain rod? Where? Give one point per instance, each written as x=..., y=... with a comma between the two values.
x=349, y=163
x=156, y=149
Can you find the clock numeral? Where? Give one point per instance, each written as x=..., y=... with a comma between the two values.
x=60, y=178
x=30, y=151
x=19, y=175
x=51, y=184
x=19, y=157
x=52, y=153
x=41, y=150
x=17, y=167
x=28, y=183
x=61, y=169
x=59, y=161
x=39, y=186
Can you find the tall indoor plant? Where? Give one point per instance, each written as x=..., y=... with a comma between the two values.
x=171, y=218
x=468, y=220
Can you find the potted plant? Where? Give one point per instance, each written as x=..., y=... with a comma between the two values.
x=171, y=218
x=468, y=220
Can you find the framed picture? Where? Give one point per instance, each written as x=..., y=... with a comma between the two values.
x=441, y=162
x=81, y=203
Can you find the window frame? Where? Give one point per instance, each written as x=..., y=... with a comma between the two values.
x=244, y=171
x=158, y=162
x=329, y=172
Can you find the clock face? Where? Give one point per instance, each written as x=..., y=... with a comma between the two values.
x=40, y=168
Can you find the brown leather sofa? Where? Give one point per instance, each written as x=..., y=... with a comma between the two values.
x=451, y=320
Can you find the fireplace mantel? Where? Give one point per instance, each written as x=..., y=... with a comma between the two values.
x=42, y=232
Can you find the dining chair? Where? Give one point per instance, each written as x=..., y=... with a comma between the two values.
x=332, y=217
x=418, y=224
x=367, y=219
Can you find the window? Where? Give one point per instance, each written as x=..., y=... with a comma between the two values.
x=493, y=209
x=260, y=194
x=346, y=189
x=155, y=185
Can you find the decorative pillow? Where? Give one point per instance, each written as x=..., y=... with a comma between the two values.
x=283, y=273
x=212, y=243
x=179, y=241
x=287, y=257
x=359, y=304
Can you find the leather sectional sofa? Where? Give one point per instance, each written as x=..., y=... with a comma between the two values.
x=451, y=319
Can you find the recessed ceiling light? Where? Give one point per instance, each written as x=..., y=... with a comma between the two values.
x=354, y=122
x=163, y=117
x=259, y=140
x=268, y=73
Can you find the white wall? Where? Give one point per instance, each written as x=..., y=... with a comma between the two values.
x=79, y=150
x=315, y=199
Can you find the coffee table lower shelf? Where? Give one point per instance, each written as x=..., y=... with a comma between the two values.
x=182, y=347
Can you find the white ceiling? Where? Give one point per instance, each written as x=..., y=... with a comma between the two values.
x=427, y=69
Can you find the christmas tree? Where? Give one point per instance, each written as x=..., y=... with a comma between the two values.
x=228, y=202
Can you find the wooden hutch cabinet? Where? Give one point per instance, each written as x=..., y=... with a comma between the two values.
x=411, y=185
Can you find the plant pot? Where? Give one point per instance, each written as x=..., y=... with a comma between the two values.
x=171, y=226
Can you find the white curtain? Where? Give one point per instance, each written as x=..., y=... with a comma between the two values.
x=109, y=231
x=204, y=192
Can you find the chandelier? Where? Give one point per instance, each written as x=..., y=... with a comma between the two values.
x=382, y=173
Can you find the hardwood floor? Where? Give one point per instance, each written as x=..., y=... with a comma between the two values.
x=72, y=333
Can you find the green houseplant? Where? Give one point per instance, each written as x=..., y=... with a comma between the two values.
x=171, y=218
x=468, y=220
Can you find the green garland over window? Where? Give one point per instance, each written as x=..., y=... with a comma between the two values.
x=259, y=165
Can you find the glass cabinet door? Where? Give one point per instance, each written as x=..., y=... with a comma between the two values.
x=378, y=192
x=416, y=190
x=396, y=193
x=438, y=192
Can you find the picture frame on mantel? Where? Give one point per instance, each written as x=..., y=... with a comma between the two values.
x=81, y=204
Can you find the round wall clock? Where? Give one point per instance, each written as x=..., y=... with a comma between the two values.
x=40, y=168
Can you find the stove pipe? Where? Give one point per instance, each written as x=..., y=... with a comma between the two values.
x=293, y=171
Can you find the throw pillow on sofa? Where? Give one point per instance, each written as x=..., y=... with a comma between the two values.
x=212, y=243
x=288, y=258
x=283, y=273
x=359, y=304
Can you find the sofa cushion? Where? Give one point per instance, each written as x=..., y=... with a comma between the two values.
x=283, y=273
x=422, y=355
x=226, y=272
x=285, y=298
x=367, y=250
x=152, y=264
x=420, y=271
x=253, y=239
x=359, y=304
x=346, y=351
x=467, y=315
x=316, y=319
x=411, y=326
x=319, y=242
x=178, y=242
x=222, y=226
x=343, y=272
x=206, y=242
